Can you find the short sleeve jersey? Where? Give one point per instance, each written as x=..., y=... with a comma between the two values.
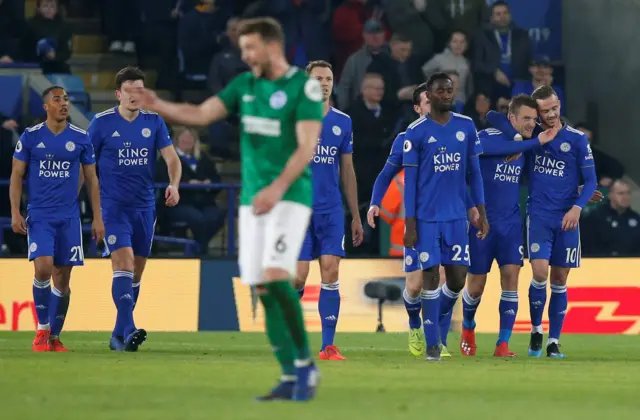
x=269, y=111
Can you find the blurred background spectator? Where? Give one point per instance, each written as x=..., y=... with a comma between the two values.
x=411, y=18
x=478, y=108
x=453, y=59
x=50, y=37
x=447, y=16
x=502, y=53
x=612, y=229
x=608, y=168
x=228, y=63
x=197, y=209
x=121, y=23
x=399, y=83
x=541, y=74
x=12, y=30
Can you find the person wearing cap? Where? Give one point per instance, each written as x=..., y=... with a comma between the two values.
x=541, y=74
x=358, y=62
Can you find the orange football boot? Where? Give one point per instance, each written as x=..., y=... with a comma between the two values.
x=57, y=346
x=468, y=342
x=331, y=353
x=41, y=342
x=503, y=351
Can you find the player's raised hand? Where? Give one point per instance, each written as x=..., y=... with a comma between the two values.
x=267, y=198
x=171, y=196
x=410, y=233
x=570, y=220
x=357, y=233
x=548, y=135
x=97, y=230
x=145, y=97
x=18, y=224
x=374, y=211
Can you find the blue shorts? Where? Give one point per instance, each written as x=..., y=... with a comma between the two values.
x=444, y=243
x=547, y=241
x=126, y=227
x=325, y=236
x=411, y=260
x=60, y=239
x=504, y=244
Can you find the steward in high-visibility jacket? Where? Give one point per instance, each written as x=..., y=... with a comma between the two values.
x=392, y=212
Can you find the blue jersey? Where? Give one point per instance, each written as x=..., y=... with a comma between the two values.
x=126, y=155
x=554, y=173
x=53, y=172
x=443, y=156
x=395, y=157
x=336, y=139
x=501, y=180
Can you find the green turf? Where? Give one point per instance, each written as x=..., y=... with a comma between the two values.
x=214, y=376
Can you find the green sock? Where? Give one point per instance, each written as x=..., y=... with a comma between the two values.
x=289, y=302
x=278, y=333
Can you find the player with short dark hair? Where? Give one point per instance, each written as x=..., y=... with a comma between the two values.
x=554, y=205
x=325, y=237
x=413, y=282
x=52, y=154
x=126, y=139
x=440, y=151
x=502, y=164
x=280, y=109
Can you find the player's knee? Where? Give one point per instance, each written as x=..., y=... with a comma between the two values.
x=261, y=290
x=62, y=278
x=275, y=274
x=476, y=285
x=430, y=279
x=329, y=275
x=509, y=282
x=301, y=275
x=43, y=273
x=559, y=276
x=414, y=283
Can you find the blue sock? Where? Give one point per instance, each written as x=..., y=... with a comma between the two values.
x=301, y=292
x=557, y=310
x=430, y=315
x=122, y=293
x=41, y=297
x=413, y=306
x=469, y=308
x=447, y=302
x=508, y=308
x=136, y=293
x=58, y=307
x=537, y=300
x=329, y=309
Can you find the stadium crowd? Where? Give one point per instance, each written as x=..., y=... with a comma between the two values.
x=380, y=49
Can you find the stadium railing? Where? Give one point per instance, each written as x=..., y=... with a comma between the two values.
x=189, y=245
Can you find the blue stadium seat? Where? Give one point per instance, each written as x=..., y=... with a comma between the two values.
x=69, y=82
x=11, y=99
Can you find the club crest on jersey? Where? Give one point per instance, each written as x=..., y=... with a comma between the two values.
x=33, y=247
x=424, y=257
x=146, y=133
x=535, y=247
x=313, y=90
x=19, y=146
x=278, y=99
x=460, y=136
x=633, y=223
x=70, y=146
x=565, y=147
x=336, y=130
x=408, y=260
x=407, y=146
x=111, y=239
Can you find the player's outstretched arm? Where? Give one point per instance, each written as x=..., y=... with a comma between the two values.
x=410, y=161
x=93, y=187
x=213, y=109
x=380, y=187
x=174, y=167
x=18, y=170
x=477, y=195
x=348, y=175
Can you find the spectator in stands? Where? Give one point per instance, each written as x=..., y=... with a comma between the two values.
x=50, y=37
x=398, y=85
x=612, y=229
x=348, y=26
x=541, y=74
x=608, y=168
x=121, y=21
x=502, y=53
x=199, y=34
x=197, y=208
x=453, y=59
x=373, y=125
x=228, y=63
x=11, y=31
x=478, y=108
x=357, y=64
x=445, y=16
x=411, y=17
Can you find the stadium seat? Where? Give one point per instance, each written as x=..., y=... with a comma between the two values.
x=75, y=89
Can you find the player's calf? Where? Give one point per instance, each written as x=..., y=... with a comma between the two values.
x=537, y=302
x=329, y=306
x=301, y=277
x=557, y=309
x=508, y=306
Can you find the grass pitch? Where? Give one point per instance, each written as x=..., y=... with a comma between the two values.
x=214, y=376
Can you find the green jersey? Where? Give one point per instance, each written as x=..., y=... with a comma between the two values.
x=269, y=111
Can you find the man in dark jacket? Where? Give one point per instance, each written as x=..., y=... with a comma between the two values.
x=608, y=168
x=502, y=53
x=228, y=63
x=50, y=38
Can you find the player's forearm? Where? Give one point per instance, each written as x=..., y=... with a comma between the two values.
x=475, y=181
x=383, y=180
x=186, y=114
x=351, y=190
x=507, y=147
x=589, y=187
x=94, y=194
x=175, y=172
x=469, y=201
x=410, y=190
x=296, y=164
x=15, y=193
